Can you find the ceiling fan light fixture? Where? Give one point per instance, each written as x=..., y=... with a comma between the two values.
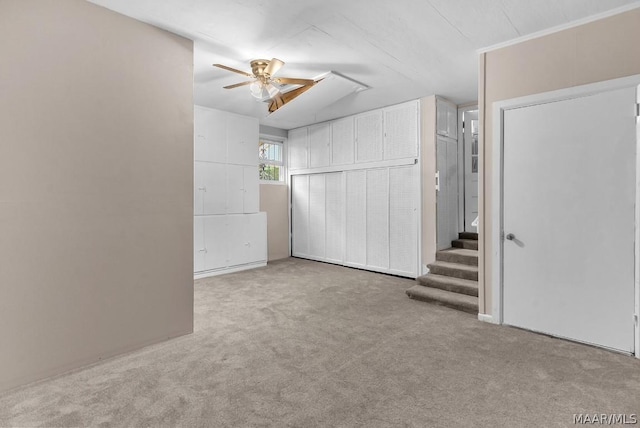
x=263, y=91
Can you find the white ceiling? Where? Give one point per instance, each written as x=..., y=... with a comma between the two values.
x=402, y=50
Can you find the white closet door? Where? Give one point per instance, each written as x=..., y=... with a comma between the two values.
x=342, y=141
x=317, y=220
x=212, y=176
x=198, y=244
x=256, y=233
x=403, y=220
x=356, y=218
x=401, y=131
x=215, y=241
x=442, y=120
x=235, y=189
x=298, y=146
x=452, y=121
x=377, y=224
x=369, y=137
x=319, y=145
x=209, y=135
x=335, y=207
x=198, y=188
x=242, y=140
x=251, y=185
x=300, y=214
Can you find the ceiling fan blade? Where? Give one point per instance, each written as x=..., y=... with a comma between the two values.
x=274, y=65
x=233, y=70
x=239, y=84
x=291, y=81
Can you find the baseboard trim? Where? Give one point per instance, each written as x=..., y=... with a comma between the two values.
x=231, y=269
x=486, y=318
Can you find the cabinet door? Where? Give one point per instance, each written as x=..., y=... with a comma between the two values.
x=401, y=131
x=209, y=131
x=251, y=187
x=198, y=188
x=377, y=218
x=298, y=146
x=247, y=238
x=452, y=121
x=211, y=188
x=319, y=145
x=334, y=217
x=342, y=141
x=215, y=241
x=242, y=140
x=442, y=119
x=356, y=218
x=317, y=216
x=198, y=244
x=369, y=137
x=235, y=189
x=300, y=214
x=403, y=219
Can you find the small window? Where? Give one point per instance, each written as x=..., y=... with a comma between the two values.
x=270, y=164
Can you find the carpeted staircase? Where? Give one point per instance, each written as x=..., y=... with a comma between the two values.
x=452, y=280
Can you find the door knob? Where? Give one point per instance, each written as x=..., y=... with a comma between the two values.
x=510, y=236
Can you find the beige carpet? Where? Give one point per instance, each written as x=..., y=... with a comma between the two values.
x=306, y=344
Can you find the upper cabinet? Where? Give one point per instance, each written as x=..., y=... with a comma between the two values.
x=369, y=136
x=319, y=145
x=225, y=137
x=388, y=134
x=401, y=131
x=446, y=119
x=298, y=149
x=343, y=141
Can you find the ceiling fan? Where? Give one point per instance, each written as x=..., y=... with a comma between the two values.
x=266, y=87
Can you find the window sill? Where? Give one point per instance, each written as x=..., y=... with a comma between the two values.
x=277, y=183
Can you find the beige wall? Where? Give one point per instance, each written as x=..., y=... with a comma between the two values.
x=601, y=50
x=96, y=167
x=274, y=201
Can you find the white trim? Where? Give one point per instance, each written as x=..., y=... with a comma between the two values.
x=231, y=269
x=486, y=318
x=497, y=185
x=351, y=167
x=562, y=27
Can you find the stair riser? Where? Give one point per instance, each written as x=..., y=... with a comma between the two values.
x=473, y=245
x=471, y=309
x=454, y=288
x=468, y=235
x=456, y=258
x=454, y=273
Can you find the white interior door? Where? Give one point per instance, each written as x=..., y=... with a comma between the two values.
x=568, y=215
x=447, y=196
x=470, y=170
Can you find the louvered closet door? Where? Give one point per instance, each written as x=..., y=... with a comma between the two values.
x=377, y=242
x=403, y=220
x=356, y=218
x=300, y=214
x=335, y=207
x=317, y=216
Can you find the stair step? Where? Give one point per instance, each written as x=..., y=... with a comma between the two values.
x=468, y=235
x=469, y=244
x=458, y=255
x=455, y=270
x=461, y=302
x=455, y=285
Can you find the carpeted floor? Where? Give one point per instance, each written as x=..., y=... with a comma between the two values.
x=306, y=344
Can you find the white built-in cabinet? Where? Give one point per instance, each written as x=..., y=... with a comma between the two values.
x=355, y=190
x=446, y=118
x=229, y=230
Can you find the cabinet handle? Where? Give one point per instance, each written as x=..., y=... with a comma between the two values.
x=204, y=189
x=204, y=250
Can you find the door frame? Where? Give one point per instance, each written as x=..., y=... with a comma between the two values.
x=497, y=206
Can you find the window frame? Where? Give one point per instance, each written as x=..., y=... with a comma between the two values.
x=282, y=163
